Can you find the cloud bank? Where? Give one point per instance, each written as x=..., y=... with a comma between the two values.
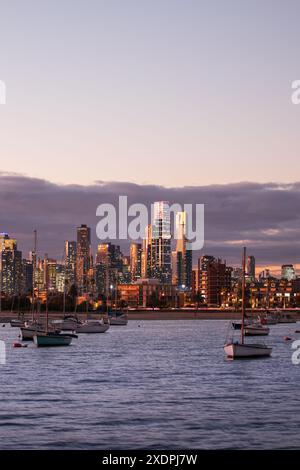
x=265, y=217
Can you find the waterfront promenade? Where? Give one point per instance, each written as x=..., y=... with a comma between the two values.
x=176, y=314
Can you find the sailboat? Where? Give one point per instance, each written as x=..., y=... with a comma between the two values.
x=240, y=349
x=92, y=326
x=117, y=317
x=51, y=338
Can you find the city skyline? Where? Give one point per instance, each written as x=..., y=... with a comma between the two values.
x=263, y=217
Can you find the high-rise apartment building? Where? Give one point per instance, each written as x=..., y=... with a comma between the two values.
x=83, y=258
x=135, y=261
x=11, y=266
x=146, y=262
x=182, y=257
x=161, y=243
x=70, y=261
x=214, y=276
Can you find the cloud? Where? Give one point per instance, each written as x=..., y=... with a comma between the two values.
x=266, y=216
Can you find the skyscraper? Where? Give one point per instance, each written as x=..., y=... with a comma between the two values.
x=213, y=277
x=147, y=253
x=11, y=268
x=161, y=243
x=83, y=258
x=135, y=261
x=70, y=261
x=251, y=267
x=109, y=266
x=182, y=258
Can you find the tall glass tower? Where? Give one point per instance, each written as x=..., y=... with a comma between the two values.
x=161, y=243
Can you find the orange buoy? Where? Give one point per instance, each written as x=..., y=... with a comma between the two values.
x=17, y=345
x=287, y=338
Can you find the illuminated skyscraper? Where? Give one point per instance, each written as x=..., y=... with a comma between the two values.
x=11, y=267
x=70, y=260
x=182, y=257
x=161, y=243
x=50, y=271
x=109, y=267
x=135, y=261
x=214, y=276
x=147, y=253
x=83, y=258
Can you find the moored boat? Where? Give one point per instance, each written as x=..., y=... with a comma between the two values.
x=47, y=339
x=16, y=323
x=92, y=326
x=118, y=320
x=68, y=323
x=240, y=349
x=256, y=329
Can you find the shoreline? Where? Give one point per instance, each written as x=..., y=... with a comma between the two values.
x=204, y=314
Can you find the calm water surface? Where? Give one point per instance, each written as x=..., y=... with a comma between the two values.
x=152, y=384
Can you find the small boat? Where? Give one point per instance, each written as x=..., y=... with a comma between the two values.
x=92, y=326
x=237, y=325
x=256, y=329
x=240, y=349
x=118, y=320
x=268, y=319
x=16, y=323
x=286, y=318
x=68, y=323
x=48, y=339
x=31, y=328
x=28, y=332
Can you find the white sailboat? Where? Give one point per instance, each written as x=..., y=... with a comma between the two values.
x=239, y=349
x=92, y=326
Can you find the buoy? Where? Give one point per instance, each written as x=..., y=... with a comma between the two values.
x=297, y=331
x=3, y=326
x=17, y=345
x=287, y=338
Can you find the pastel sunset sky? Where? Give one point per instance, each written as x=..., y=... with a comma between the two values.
x=163, y=93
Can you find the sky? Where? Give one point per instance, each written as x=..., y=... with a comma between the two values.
x=190, y=98
x=168, y=92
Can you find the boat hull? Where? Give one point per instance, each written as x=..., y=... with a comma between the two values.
x=240, y=351
x=256, y=331
x=46, y=340
x=118, y=321
x=66, y=325
x=16, y=323
x=92, y=327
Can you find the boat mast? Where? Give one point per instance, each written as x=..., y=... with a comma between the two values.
x=65, y=280
x=33, y=272
x=47, y=313
x=243, y=294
